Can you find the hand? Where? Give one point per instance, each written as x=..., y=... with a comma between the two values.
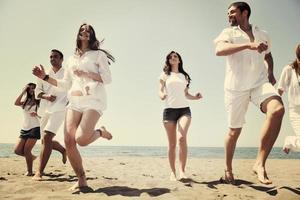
x=50, y=98
x=33, y=114
x=39, y=71
x=271, y=78
x=198, y=95
x=25, y=89
x=80, y=73
x=260, y=47
x=163, y=96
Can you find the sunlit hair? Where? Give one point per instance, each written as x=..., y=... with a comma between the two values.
x=242, y=6
x=29, y=97
x=295, y=64
x=167, y=68
x=94, y=44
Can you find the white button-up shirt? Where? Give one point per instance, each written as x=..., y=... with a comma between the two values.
x=291, y=84
x=91, y=61
x=244, y=69
x=61, y=95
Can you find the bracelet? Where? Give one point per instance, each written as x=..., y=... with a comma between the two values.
x=46, y=77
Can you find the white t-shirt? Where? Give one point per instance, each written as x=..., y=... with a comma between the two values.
x=245, y=69
x=61, y=95
x=289, y=83
x=29, y=121
x=91, y=61
x=175, y=84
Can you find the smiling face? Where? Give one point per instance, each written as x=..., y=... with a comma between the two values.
x=173, y=59
x=84, y=33
x=234, y=16
x=55, y=59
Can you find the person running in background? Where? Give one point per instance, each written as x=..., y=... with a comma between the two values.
x=55, y=101
x=290, y=82
x=30, y=131
x=173, y=89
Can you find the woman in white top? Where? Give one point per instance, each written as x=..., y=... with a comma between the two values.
x=290, y=82
x=173, y=89
x=87, y=72
x=30, y=131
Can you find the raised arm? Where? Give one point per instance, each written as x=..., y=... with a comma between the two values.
x=18, y=101
x=39, y=72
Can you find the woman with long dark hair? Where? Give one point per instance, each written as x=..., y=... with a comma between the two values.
x=173, y=89
x=30, y=131
x=290, y=82
x=87, y=72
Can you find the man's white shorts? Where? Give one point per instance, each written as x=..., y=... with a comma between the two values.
x=52, y=121
x=236, y=102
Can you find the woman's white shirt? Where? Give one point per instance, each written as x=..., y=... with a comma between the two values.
x=175, y=85
x=94, y=61
x=288, y=82
x=29, y=121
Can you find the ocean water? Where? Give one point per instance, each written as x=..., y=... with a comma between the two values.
x=6, y=150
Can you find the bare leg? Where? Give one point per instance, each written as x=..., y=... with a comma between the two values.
x=230, y=144
x=29, y=144
x=270, y=131
x=183, y=126
x=45, y=153
x=71, y=124
x=86, y=133
x=58, y=147
x=19, y=147
x=171, y=132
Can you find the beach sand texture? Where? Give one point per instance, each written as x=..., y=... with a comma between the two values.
x=148, y=178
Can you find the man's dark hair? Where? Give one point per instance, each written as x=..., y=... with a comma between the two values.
x=241, y=6
x=59, y=52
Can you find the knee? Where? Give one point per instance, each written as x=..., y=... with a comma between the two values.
x=81, y=141
x=69, y=141
x=233, y=134
x=182, y=140
x=277, y=112
x=47, y=137
x=18, y=152
x=27, y=151
x=172, y=146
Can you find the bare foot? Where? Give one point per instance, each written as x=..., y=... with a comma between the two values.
x=28, y=174
x=286, y=150
x=182, y=176
x=173, y=177
x=262, y=175
x=228, y=177
x=104, y=133
x=77, y=186
x=64, y=156
x=37, y=177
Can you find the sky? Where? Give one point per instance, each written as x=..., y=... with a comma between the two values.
x=140, y=33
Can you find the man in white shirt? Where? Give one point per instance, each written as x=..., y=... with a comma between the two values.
x=247, y=78
x=55, y=101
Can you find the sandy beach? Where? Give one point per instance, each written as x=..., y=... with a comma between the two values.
x=148, y=178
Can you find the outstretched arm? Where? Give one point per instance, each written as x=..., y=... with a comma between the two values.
x=39, y=72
